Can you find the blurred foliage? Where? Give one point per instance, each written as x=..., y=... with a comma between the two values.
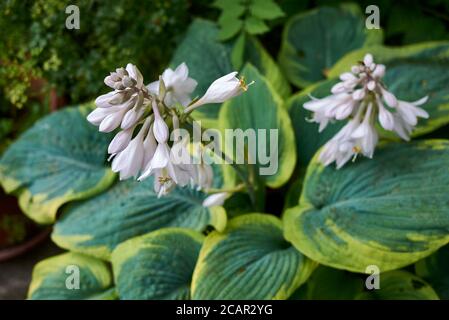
x=246, y=16
x=35, y=46
x=112, y=33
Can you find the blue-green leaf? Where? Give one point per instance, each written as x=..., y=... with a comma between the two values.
x=389, y=211
x=128, y=209
x=158, y=265
x=250, y=260
x=315, y=40
x=60, y=159
x=260, y=108
x=71, y=276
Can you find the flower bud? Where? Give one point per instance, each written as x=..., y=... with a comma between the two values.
x=216, y=199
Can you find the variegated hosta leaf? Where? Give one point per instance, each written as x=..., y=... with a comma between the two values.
x=259, y=113
x=313, y=41
x=435, y=270
x=250, y=260
x=256, y=54
x=400, y=285
x=389, y=211
x=71, y=276
x=413, y=72
x=128, y=209
x=158, y=265
x=60, y=159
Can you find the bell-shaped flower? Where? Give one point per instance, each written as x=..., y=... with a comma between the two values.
x=361, y=94
x=133, y=115
x=222, y=89
x=163, y=183
x=178, y=86
x=410, y=111
x=129, y=162
x=120, y=141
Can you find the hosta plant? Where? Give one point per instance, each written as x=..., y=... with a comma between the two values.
x=281, y=197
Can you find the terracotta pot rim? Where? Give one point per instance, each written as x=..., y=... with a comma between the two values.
x=16, y=250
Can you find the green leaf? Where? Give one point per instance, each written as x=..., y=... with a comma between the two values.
x=60, y=159
x=307, y=137
x=330, y=284
x=412, y=72
x=266, y=9
x=434, y=269
x=260, y=108
x=400, y=285
x=237, y=51
x=256, y=54
x=255, y=25
x=232, y=12
x=227, y=4
x=315, y=40
x=250, y=260
x=51, y=277
x=389, y=211
x=128, y=209
x=229, y=28
x=158, y=265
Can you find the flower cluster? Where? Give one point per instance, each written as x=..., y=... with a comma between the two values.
x=363, y=98
x=148, y=117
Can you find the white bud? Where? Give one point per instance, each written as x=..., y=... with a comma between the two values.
x=358, y=94
x=120, y=141
x=389, y=98
x=379, y=72
x=216, y=199
x=222, y=89
x=160, y=130
x=111, y=122
x=368, y=59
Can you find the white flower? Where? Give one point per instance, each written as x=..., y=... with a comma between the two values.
x=149, y=147
x=178, y=85
x=120, y=141
x=163, y=183
x=216, y=199
x=222, y=89
x=138, y=111
x=362, y=97
x=129, y=162
x=160, y=128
